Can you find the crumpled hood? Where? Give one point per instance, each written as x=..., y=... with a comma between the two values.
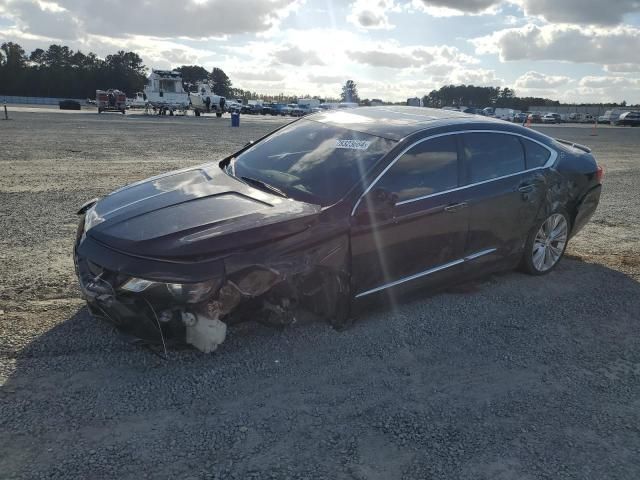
x=195, y=214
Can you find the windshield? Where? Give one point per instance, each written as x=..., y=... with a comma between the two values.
x=311, y=161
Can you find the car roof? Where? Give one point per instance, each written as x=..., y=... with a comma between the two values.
x=396, y=122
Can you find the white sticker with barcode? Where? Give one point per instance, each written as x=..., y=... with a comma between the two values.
x=353, y=144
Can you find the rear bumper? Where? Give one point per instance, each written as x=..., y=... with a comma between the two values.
x=586, y=208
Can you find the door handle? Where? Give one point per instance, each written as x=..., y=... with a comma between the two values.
x=455, y=207
x=526, y=188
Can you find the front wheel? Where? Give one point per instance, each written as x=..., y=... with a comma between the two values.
x=546, y=244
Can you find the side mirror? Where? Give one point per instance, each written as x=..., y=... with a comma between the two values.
x=376, y=206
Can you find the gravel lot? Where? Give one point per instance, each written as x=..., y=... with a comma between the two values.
x=513, y=377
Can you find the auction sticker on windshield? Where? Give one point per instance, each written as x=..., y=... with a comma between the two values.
x=353, y=144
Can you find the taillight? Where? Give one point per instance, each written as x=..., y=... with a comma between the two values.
x=599, y=173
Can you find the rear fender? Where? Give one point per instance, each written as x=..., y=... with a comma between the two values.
x=585, y=209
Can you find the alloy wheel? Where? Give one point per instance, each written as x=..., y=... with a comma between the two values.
x=549, y=243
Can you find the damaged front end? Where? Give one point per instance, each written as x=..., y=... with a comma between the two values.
x=269, y=284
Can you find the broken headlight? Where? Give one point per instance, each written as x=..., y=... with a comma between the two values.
x=136, y=285
x=91, y=218
x=183, y=292
x=192, y=292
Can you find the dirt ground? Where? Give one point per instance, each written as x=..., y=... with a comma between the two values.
x=513, y=377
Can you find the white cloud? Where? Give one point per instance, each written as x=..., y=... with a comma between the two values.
x=623, y=68
x=589, y=12
x=584, y=12
x=449, y=8
x=564, y=43
x=372, y=14
x=160, y=18
x=537, y=80
x=327, y=78
x=292, y=55
x=265, y=47
x=257, y=75
x=474, y=76
x=609, y=82
x=395, y=56
x=44, y=19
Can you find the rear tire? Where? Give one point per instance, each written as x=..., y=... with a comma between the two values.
x=546, y=244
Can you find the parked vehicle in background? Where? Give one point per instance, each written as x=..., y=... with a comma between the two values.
x=535, y=117
x=280, y=109
x=610, y=116
x=69, y=105
x=581, y=118
x=520, y=117
x=297, y=110
x=631, y=119
x=164, y=91
x=308, y=103
x=265, y=109
x=203, y=100
x=233, y=107
x=111, y=101
x=551, y=118
x=321, y=214
x=505, y=113
x=137, y=101
x=463, y=109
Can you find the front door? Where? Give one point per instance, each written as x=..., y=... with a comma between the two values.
x=412, y=224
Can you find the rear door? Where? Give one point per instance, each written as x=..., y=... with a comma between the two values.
x=505, y=190
x=421, y=236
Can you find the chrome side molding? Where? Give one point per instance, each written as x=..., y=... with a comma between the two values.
x=415, y=276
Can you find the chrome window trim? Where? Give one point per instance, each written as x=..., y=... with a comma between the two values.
x=415, y=276
x=550, y=162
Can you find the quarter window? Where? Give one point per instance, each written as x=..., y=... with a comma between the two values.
x=536, y=154
x=492, y=155
x=429, y=167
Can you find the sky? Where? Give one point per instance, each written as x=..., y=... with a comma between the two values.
x=570, y=50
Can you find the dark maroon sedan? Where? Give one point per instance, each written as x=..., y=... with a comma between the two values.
x=330, y=209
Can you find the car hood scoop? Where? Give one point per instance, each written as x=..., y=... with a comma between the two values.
x=195, y=214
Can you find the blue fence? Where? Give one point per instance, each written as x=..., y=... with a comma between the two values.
x=37, y=100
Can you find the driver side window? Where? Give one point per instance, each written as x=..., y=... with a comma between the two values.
x=427, y=168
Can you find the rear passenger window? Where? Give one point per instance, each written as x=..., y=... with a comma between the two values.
x=429, y=167
x=492, y=155
x=535, y=153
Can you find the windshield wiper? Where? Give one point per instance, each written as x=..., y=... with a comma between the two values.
x=264, y=186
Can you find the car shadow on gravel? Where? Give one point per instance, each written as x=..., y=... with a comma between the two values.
x=510, y=377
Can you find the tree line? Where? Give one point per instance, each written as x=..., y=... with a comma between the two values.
x=60, y=71
x=480, y=97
